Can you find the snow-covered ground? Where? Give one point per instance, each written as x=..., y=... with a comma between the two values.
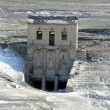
x=91, y=85
x=85, y=97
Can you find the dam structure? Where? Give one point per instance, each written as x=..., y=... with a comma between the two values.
x=51, y=50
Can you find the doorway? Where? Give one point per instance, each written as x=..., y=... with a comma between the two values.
x=52, y=38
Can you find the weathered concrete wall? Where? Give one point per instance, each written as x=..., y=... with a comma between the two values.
x=51, y=63
x=72, y=33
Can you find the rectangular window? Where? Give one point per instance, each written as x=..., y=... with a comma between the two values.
x=52, y=38
x=64, y=35
x=39, y=35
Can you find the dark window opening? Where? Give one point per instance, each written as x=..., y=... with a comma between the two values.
x=39, y=35
x=62, y=85
x=52, y=38
x=37, y=84
x=64, y=35
x=49, y=85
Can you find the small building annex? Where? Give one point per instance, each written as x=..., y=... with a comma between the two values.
x=51, y=51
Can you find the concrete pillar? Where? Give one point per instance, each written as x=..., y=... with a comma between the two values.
x=29, y=63
x=44, y=70
x=43, y=83
x=44, y=62
x=56, y=83
x=57, y=71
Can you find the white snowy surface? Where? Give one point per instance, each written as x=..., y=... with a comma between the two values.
x=7, y=33
x=57, y=21
x=85, y=97
x=60, y=12
x=30, y=20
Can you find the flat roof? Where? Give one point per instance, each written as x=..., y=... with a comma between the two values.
x=52, y=19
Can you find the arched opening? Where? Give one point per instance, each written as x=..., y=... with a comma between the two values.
x=49, y=85
x=62, y=84
x=37, y=84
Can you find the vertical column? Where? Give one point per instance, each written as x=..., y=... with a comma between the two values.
x=44, y=62
x=57, y=72
x=43, y=82
x=56, y=83
x=29, y=64
x=29, y=58
x=44, y=70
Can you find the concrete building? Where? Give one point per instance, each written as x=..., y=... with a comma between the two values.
x=51, y=51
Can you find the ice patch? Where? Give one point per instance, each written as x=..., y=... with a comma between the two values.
x=11, y=64
x=30, y=12
x=44, y=12
x=57, y=21
x=61, y=13
x=30, y=20
x=3, y=102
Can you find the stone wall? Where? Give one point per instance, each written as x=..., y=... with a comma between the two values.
x=51, y=62
x=58, y=28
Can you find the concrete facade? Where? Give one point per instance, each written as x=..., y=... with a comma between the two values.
x=51, y=51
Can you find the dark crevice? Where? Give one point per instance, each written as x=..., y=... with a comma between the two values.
x=49, y=85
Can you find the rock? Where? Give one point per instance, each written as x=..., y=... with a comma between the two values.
x=14, y=85
x=69, y=86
